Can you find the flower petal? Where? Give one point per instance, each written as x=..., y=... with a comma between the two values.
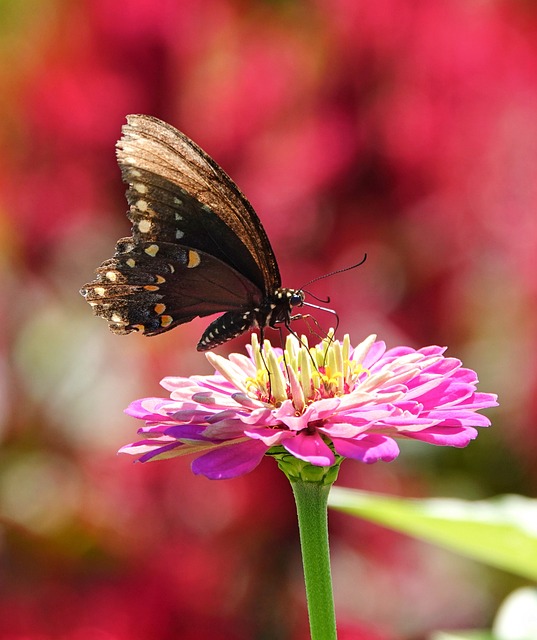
x=369, y=448
x=230, y=461
x=311, y=448
x=444, y=436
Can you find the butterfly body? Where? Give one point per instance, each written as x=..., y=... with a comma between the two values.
x=197, y=246
x=271, y=311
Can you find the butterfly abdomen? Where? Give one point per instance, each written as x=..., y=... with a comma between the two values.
x=226, y=327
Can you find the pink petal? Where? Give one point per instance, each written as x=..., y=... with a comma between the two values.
x=147, y=408
x=444, y=436
x=370, y=448
x=230, y=461
x=311, y=448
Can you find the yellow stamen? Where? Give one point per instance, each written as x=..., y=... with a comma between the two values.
x=304, y=366
x=278, y=387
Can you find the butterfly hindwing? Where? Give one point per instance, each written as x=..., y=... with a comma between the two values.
x=152, y=287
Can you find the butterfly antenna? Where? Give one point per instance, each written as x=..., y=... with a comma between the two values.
x=333, y=273
x=323, y=300
x=327, y=300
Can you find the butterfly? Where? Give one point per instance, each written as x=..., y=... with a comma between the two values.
x=197, y=246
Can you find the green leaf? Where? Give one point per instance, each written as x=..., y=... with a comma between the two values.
x=501, y=532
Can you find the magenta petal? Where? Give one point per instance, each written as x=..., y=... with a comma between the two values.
x=188, y=432
x=368, y=449
x=311, y=448
x=159, y=451
x=147, y=408
x=444, y=436
x=230, y=461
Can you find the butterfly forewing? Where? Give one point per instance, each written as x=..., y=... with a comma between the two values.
x=173, y=167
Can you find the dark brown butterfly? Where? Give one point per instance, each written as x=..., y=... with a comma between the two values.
x=197, y=245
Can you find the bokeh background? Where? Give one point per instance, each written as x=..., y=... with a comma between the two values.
x=407, y=130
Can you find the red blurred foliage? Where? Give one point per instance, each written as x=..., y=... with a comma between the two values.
x=403, y=129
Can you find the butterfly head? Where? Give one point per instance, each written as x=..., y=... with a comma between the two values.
x=296, y=297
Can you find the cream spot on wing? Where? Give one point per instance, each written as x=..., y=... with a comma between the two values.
x=111, y=275
x=140, y=187
x=144, y=226
x=99, y=291
x=131, y=263
x=152, y=250
x=179, y=234
x=142, y=205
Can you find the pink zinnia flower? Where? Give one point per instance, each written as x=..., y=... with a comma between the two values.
x=320, y=405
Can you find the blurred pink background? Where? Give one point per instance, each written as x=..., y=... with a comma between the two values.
x=402, y=129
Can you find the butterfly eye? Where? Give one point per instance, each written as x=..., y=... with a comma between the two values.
x=296, y=299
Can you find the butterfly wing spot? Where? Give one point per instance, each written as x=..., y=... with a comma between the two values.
x=179, y=203
x=151, y=287
x=140, y=187
x=134, y=173
x=172, y=268
x=144, y=226
x=138, y=327
x=111, y=275
x=131, y=263
x=152, y=250
x=99, y=291
x=142, y=205
x=115, y=317
x=159, y=308
x=160, y=279
x=193, y=259
x=179, y=234
x=165, y=321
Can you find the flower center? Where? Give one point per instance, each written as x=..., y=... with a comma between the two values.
x=302, y=374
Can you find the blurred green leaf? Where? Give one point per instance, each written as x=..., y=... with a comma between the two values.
x=501, y=532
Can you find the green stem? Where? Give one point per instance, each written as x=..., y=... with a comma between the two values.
x=311, y=502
